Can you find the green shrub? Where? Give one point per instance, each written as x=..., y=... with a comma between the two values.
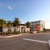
x=28, y=32
x=44, y=30
x=17, y=32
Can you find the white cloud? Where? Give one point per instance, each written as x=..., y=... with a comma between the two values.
x=10, y=7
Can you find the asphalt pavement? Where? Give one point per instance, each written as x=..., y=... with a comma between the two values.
x=18, y=43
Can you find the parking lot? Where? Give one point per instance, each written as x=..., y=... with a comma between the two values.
x=26, y=42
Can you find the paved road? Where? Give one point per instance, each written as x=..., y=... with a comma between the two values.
x=17, y=43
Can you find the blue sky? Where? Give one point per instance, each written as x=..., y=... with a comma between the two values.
x=26, y=10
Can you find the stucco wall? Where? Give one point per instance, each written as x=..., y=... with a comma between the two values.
x=27, y=29
x=12, y=29
x=42, y=25
x=5, y=29
x=21, y=27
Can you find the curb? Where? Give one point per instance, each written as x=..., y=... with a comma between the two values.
x=10, y=36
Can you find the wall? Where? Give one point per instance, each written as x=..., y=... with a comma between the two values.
x=12, y=29
x=27, y=29
x=5, y=29
x=20, y=27
x=42, y=25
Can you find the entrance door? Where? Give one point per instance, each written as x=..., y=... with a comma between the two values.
x=0, y=29
x=22, y=29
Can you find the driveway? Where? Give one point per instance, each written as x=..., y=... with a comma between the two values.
x=22, y=42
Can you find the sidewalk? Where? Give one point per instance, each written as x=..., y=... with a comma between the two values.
x=23, y=34
x=10, y=36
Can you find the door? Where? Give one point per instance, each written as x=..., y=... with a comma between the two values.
x=0, y=29
x=22, y=29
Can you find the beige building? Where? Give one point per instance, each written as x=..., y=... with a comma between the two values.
x=39, y=23
x=21, y=28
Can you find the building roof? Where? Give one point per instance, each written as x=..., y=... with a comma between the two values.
x=37, y=21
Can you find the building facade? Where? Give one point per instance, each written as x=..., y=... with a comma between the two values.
x=37, y=25
x=21, y=28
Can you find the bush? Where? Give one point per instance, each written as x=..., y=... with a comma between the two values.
x=17, y=32
x=28, y=32
x=9, y=33
x=44, y=30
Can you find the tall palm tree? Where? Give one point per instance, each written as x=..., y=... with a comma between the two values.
x=27, y=24
x=2, y=22
x=16, y=21
x=9, y=23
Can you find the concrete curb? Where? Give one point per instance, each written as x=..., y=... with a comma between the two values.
x=10, y=36
x=17, y=35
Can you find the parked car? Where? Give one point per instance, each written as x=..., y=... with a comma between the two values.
x=33, y=31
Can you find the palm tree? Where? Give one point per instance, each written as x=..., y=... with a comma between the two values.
x=2, y=22
x=16, y=21
x=9, y=23
x=27, y=24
